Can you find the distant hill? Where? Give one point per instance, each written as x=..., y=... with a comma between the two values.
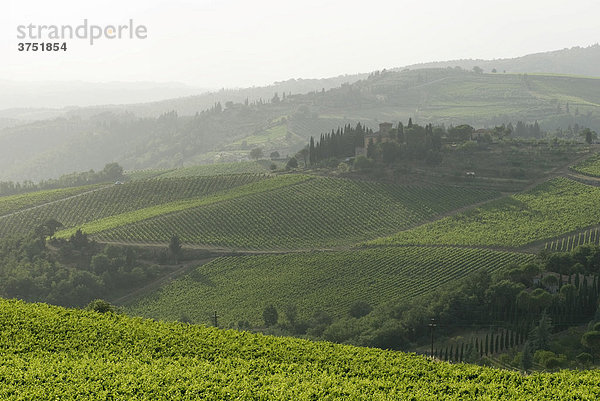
x=583, y=61
x=225, y=126
x=58, y=94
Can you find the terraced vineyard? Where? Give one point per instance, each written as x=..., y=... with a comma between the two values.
x=320, y=212
x=556, y=207
x=590, y=166
x=14, y=203
x=570, y=242
x=55, y=353
x=117, y=199
x=240, y=287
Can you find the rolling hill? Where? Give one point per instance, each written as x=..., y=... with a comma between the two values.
x=227, y=132
x=556, y=207
x=51, y=352
x=282, y=212
x=239, y=287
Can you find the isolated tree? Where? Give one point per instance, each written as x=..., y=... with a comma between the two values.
x=591, y=340
x=304, y=153
x=175, y=247
x=48, y=229
x=527, y=358
x=478, y=70
x=112, y=171
x=274, y=155
x=292, y=163
x=589, y=135
x=270, y=315
x=291, y=314
x=100, y=306
x=256, y=153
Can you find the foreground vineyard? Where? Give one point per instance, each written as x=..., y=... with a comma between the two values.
x=116, y=199
x=240, y=287
x=556, y=207
x=55, y=353
x=319, y=212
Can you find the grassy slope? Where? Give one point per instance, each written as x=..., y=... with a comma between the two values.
x=319, y=212
x=240, y=287
x=555, y=207
x=50, y=353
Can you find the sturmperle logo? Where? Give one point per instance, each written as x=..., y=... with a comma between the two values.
x=85, y=31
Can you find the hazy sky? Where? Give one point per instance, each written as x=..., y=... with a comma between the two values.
x=231, y=43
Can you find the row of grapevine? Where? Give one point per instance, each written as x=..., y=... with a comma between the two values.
x=54, y=353
x=566, y=244
x=239, y=287
x=320, y=212
x=556, y=207
x=251, y=167
x=115, y=199
x=590, y=166
x=14, y=203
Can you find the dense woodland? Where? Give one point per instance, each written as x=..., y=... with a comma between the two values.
x=70, y=272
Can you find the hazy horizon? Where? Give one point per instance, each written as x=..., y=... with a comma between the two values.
x=233, y=44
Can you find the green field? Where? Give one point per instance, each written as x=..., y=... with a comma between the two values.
x=55, y=353
x=240, y=287
x=590, y=166
x=553, y=208
x=117, y=199
x=317, y=212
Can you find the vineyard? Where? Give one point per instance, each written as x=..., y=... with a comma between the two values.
x=55, y=353
x=253, y=167
x=320, y=212
x=14, y=203
x=118, y=220
x=590, y=166
x=553, y=208
x=115, y=199
x=568, y=243
x=239, y=287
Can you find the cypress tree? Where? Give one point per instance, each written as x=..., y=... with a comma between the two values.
x=487, y=344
